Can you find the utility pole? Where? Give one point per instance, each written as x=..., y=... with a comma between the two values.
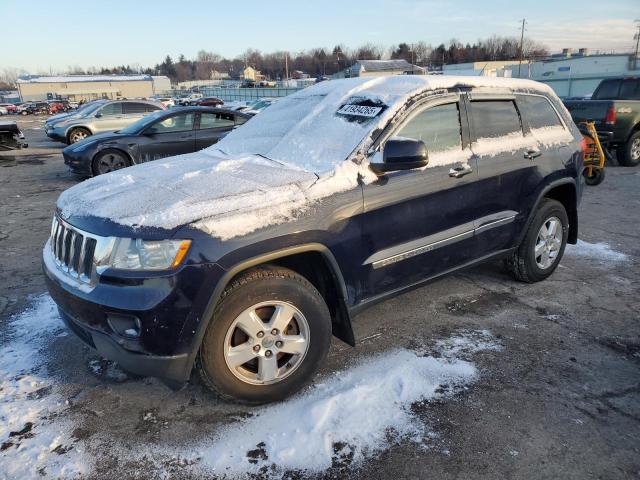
x=521, y=46
x=637, y=39
x=286, y=67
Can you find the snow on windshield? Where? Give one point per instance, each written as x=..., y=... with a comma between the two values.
x=305, y=129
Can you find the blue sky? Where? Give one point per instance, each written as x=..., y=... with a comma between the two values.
x=55, y=35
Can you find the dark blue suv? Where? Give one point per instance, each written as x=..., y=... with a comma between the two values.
x=243, y=259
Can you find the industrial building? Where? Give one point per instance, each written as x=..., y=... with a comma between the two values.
x=485, y=68
x=378, y=68
x=89, y=87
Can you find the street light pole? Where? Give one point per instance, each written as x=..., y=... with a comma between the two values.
x=637, y=38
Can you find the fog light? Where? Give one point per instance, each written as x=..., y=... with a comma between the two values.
x=125, y=325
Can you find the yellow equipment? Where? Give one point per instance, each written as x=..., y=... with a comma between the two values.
x=593, y=153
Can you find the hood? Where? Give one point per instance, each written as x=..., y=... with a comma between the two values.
x=182, y=190
x=95, y=138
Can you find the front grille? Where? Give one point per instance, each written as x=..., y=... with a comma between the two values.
x=72, y=250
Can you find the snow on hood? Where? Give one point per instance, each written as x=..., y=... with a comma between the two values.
x=268, y=171
x=180, y=190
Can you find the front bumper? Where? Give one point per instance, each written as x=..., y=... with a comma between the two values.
x=169, y=310
x=78, y=163
x=57, y=134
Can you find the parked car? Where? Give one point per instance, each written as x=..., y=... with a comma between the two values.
x=3, y=110
x=267, y=84
x=11, y=138
x=166, y=101
x=9, y=107
x=243, y=259
x=159, y=135
x=104, y=116
x=189, y=99
x=208, y=102
x=58, y=106
x=33, y=108
x=258, y=106
x=615, y=107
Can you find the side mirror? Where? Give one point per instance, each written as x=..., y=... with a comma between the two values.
x=402, y=154
x=98, y=115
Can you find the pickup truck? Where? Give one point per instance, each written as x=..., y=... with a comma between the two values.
x=615, y=109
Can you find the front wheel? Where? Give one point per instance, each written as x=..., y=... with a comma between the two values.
x=538, y=255
x=109, y=161
x=269, y=334
x=78, y=134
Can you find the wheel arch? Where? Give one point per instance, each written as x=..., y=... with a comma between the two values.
x=302, y=259
x=564, y=191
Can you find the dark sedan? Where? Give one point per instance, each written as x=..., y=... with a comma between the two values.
x=162, y=134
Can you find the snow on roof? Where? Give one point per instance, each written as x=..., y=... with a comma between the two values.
x=82, y=78
x=304, y=129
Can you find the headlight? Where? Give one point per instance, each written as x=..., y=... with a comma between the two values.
x=136, y=254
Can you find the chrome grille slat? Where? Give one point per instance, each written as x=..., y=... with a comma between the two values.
x=74, y=250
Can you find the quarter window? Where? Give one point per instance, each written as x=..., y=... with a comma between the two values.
x=216, y=120
x=438, y=127
x=538, y=112
x=494, y=118
x=176, y=123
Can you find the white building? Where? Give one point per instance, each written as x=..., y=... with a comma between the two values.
x=579, y=75
x=378, y=68
x=161, y=84
x=486, y=68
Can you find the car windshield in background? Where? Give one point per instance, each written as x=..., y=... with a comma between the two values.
x=141, y=124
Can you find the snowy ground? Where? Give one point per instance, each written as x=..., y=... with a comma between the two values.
x=347, y=417
x=475, y=376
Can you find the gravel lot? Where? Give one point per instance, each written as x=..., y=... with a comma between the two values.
x=559, y=399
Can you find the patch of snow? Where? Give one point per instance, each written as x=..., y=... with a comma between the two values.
x=538, y=137
x=600, y=252
x=353, y=415
x=467, y=343
x=36, y=439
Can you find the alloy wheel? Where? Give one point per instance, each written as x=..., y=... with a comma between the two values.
x=77, y=136
x=110, y=161
x=548, y=243
x=635, y=149
x=266, y=343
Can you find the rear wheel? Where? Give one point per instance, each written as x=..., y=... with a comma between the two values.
x=630, y=154
x=543, y=245
x=109, y=161
x=269, y=334
x=78, y=134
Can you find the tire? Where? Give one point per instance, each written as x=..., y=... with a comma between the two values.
x=265, y=291
x=524, y=264
x=109, y=161
x=630, y=154
x=78, y=134
x=596, y=178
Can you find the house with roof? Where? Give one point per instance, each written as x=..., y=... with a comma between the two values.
x=377, y=68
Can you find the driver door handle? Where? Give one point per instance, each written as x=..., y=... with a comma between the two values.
x=461, y=171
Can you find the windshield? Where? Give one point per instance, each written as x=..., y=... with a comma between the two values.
x=303, y=129
x=141, y=124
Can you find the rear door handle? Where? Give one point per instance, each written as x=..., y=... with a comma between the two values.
x=531, y=154
x=461, y=171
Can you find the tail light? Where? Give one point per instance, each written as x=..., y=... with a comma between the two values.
x=583, y=146
x=611, y=116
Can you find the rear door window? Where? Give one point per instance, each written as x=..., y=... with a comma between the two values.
x=135, y=107
x=216, y=120
x=111, y=109
x=494, y=118
x=607, y=90
x=538, y=112
x=630, y=89
x=438, y=127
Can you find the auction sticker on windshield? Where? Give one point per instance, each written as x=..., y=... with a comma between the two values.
x=359, y=110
